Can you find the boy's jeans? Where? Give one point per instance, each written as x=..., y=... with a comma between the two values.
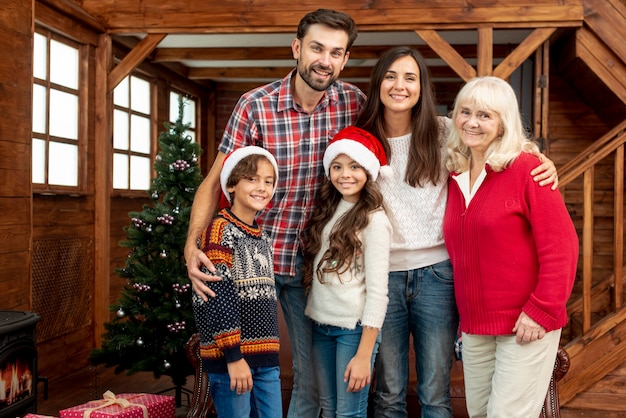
x=264, y=401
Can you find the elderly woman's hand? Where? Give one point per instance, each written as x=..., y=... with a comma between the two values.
x=527, y=330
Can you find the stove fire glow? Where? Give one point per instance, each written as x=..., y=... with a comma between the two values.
x=16, y=380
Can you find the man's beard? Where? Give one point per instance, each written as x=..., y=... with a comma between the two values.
x=317, y=85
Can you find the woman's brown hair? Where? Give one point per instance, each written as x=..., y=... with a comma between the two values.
x=425, y=159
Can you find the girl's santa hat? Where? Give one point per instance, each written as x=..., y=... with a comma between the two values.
x=362, y=147
x=231, y=160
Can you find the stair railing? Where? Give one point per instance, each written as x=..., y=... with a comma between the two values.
x=584, y=164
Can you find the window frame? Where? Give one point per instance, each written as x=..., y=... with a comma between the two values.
x=152, y=120
x=82, y=117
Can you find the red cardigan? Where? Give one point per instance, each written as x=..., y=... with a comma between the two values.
x=513, y=249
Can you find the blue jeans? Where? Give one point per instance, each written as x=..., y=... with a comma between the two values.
x=421, y=303
x=333, y=348
x=304, y=398
x=264, y=401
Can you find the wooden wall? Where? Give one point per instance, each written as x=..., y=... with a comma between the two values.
x=15, y=153
x=63, y=237
x=37, y=230
x=54, y=235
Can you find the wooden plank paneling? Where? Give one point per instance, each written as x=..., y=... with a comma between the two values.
x=605, y=63
x=15, y=294
x=15, y=239
x=16, y=24
x=606, y=18
x=75, y=347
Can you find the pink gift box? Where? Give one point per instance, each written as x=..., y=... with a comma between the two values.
x=124, y=405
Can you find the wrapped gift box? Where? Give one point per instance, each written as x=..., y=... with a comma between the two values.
x=37, y=416
x=124, y=405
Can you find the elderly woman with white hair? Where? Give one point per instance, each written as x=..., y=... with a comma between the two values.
x=514, y=252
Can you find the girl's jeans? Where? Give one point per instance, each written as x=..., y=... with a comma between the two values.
x=333, y=348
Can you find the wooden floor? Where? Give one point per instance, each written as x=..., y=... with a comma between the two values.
x=90, y=383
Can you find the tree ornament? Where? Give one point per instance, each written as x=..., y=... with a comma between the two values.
x=194, y=158
x=155, y=195
x=139, y=342
x=166, y=219
x=149, y=228
x=180, y=165
x=158, y=157
x=163, y=254
x=166, y=364
x=121, y=313
x=177, y=303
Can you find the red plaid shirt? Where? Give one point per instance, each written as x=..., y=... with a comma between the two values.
x=268, y=117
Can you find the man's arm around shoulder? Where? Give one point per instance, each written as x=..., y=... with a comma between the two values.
x=204, y=205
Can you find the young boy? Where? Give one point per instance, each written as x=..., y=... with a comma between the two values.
x=239, y=327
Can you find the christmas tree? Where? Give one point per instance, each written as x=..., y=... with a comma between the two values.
x=154, y=317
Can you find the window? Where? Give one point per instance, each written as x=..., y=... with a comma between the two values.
x=132, y=134
x=56, y=131
x=189, y=112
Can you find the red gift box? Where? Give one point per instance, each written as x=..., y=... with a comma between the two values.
x=124, y=405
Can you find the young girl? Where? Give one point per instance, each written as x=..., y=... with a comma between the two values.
x=239, y=327
x=346, y=253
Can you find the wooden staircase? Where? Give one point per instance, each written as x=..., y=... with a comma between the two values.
x=595, y=63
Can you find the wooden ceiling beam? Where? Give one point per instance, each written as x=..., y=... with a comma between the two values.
x=448, y=54
x=484, y=65
x=280, y=72
x=133, y=59
x=73, y=10
x=180, y=16
x=526, y=48
x=283, y=53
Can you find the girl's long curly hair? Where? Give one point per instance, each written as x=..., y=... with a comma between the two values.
x=344, y=240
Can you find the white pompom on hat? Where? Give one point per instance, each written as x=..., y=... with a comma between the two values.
x=362, y=147
x=239, y=154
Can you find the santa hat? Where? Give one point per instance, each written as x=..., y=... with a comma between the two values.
x=233, y=158
x=362, y=147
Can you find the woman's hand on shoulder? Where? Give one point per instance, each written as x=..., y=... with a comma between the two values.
x=545, y=173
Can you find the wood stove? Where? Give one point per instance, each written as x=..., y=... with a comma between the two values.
x=18, y=363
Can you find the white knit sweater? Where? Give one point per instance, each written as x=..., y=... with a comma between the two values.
x=416, y=213
x=361, y=295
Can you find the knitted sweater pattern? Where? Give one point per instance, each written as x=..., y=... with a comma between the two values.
x=514, y=248
x=242, y=320
x=416, y=213
x=359, y=294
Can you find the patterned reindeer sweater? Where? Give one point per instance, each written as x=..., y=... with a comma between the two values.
x=241, y=321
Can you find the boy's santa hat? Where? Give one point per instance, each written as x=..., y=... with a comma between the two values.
x=362, y=147
x=233, y=158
